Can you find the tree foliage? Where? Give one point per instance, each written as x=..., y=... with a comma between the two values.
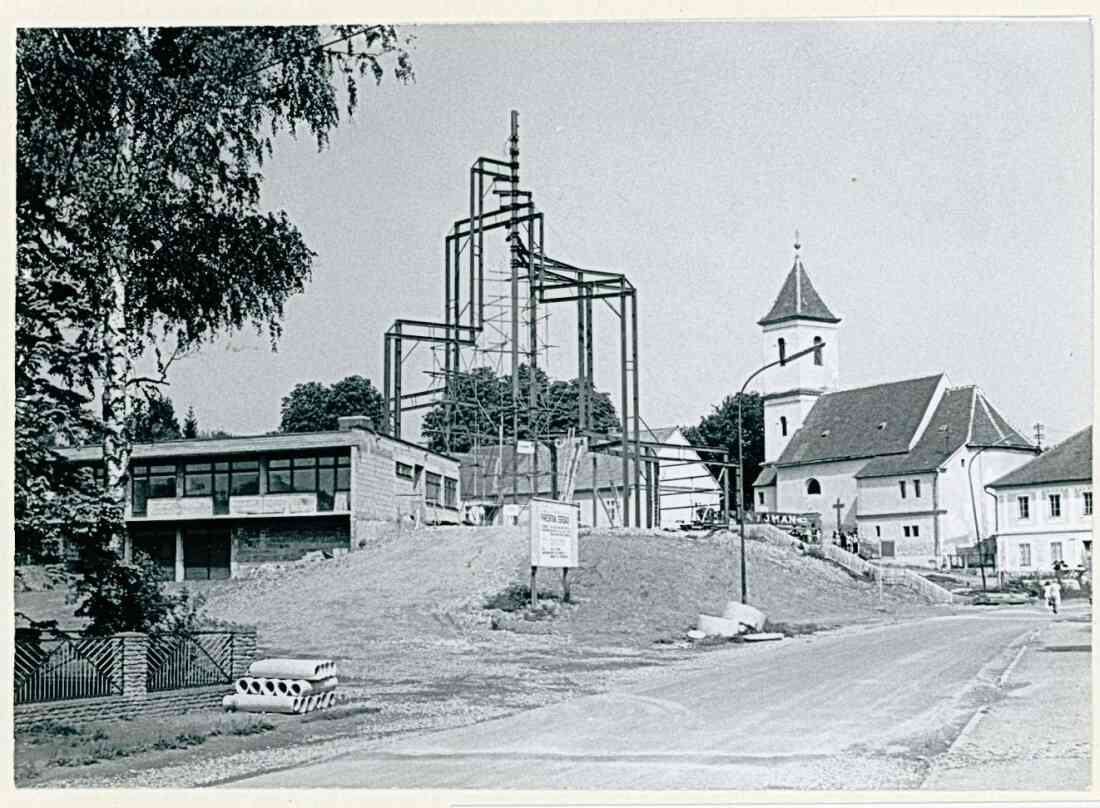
x=153, y=418
x=482, y=405
x=139, y=228
x=190, y=424
x=314, y=407
x=719, y=429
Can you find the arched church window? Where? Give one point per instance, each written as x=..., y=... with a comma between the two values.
x=783, y=425
x=782, y=350
x=817, y=351
x=813, y=486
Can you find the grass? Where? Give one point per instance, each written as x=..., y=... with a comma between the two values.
x=53, y=744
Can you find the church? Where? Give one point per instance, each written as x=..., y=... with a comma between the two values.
x=904, y=465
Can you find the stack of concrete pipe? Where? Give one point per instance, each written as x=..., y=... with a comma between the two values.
x=291, y=686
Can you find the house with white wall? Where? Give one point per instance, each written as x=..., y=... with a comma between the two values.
x=903, y=463
x=1044, y=510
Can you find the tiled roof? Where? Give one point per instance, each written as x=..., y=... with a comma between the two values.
x=964, y=416
x=480, y=478
x=798, y=299
x=765, y=478
x=1069, y=460
x=864, y=422
x=202, y=447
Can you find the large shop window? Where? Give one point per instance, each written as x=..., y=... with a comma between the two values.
x=244, y=478
x=151, y=482
x=431, y=488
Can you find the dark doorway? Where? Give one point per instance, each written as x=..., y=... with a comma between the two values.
x=158, y=542
x=206, y=553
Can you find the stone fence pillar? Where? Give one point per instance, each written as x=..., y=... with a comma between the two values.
x=134, y=664
x=244, y=649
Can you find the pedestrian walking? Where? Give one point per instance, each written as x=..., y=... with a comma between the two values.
x=1052, y=594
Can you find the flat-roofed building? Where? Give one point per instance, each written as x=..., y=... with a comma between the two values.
x=210, y=508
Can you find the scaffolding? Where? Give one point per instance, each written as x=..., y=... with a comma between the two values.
x=492, y=314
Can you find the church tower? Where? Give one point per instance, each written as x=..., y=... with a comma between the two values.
x=797, y=320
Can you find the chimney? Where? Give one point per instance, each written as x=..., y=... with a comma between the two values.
x=346, y=423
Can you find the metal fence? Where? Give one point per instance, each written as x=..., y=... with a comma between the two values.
x=63, y=665
x=196, y=659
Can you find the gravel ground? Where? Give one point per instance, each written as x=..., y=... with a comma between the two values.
x=417, y=651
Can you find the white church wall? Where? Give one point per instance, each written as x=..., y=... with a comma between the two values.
x=795, y=409
x=802, y=373
x=837, y=479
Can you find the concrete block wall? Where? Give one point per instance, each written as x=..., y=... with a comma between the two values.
x=275, y=540
x=135, y=700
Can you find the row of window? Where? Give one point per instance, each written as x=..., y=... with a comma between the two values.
x=1054, y=504
x=1055, y=553
x=438, y=490
x=908, y=531
x=320, y=474
x=916, y=488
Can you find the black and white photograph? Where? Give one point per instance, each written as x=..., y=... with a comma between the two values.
x=672, y=404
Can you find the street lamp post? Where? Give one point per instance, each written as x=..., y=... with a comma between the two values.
x=741, y=454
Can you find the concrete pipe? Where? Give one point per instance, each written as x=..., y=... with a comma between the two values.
x=329, y=699
x=282, y=687
x=269, y=688
x=310, y=669
x=242, y=684
x=320, y=686
x=248, y=703
x=255, y=687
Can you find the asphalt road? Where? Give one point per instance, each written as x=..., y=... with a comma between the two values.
x=861, y=708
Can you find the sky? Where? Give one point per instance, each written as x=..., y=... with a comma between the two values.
x=939, y=174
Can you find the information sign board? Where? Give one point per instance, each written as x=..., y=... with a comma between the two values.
x=553, y=533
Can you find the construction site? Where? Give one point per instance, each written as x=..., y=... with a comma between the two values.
x=500, y=288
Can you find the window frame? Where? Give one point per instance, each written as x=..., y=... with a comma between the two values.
x=450, y=493
x=819, y=343
x=398, y=470
x=238, y=469
x=783, y=425
x=1023, y=552
x=1060, y=553
x=813, y=483
x=431, y=484
x=1023, y=507
x=916, y=489
x=1055, y=503
x=1086, y=497
x=901, y=486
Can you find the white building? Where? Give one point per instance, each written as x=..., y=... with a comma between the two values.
x=1044, y=509
x=903, y=463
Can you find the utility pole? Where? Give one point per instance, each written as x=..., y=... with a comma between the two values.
x=513, y=240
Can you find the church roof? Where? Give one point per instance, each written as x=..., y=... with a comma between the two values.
x=865, y=422
x=765, y=478
x=1069, y=460
x=798, y=300
x=964, y=417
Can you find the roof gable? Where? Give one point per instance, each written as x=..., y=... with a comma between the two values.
x=1069, y=460
x=865, y=422
x=798, y=300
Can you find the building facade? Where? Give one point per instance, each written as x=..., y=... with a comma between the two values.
x=1044, y=510
x=900, y=465
x=211, y=508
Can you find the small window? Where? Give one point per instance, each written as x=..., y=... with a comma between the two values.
x=162, y=482
x=198, y=480
x=878, y=531
x=1055, y=505
x=962, y=462
x=783, y=425
x=343, y=472
x=817, y=351
x=782, y=350
x=1023, y=507
x=901, y=485
x=916, y=489
x=1055, y=552
x=403, y=470
x=244, y=478
x=813, y=486
x=761, y=496
x=905, y=531
x=278, y=476
x=1088, y=503
x=916, y=531
x=431, y=488
x=887, y=549
x=1025, y=555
